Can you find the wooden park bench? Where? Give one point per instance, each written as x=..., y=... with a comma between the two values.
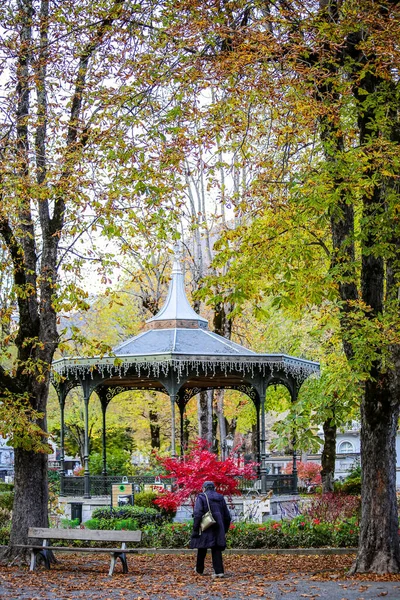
x=87, y=535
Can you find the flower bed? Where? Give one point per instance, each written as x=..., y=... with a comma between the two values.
x=301, y=532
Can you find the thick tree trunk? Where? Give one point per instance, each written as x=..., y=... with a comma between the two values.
x=204, y=411
x=328, y=456
x=219, y=411
x=30, y=489
x=379, y=539
x=154, y=429
x=186, y=432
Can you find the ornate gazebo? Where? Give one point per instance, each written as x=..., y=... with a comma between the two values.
x=177, y=355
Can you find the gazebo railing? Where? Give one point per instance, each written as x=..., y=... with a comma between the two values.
x=100, y=485
x=280, y=484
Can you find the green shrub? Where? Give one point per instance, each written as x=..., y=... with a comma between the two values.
x=352, y=483
x=112, y=524
x=352, y=486
x=6, y=500
x=70, y=523
x=5, y=535
x=127, y=524
x=251, y=535
x=145, y=499
x=301, y=532
x=347, y=533
x=5, y=517
x=141, y=514
x=6, y=487
x=298, y=533
x=170, y=535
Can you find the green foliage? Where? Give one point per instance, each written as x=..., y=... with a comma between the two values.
x=146, y=499
x=7, y=500
x=19, y=423
x=114, y=524
x=6, y=487
x=5, y=535
x=170, y=535
x=70, y=523
x=5, y=517
x=110, y=517
x=302, y=532
x=118, y=461
x=347, y=533
x=352, y=483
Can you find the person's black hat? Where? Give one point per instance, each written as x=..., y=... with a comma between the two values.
x=208, y=485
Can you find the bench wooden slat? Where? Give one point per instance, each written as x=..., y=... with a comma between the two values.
x=88, y=535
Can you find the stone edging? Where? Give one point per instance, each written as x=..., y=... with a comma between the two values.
x=256, y=551
x=248, y=551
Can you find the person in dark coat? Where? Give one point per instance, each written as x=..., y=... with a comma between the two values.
x=214, y=536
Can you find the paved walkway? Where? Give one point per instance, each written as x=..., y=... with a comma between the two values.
x=161, y=577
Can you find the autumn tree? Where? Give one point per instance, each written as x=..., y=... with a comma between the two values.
x=328, y=71
x=65, y=69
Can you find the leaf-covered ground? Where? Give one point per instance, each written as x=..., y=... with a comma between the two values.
x=156, y=577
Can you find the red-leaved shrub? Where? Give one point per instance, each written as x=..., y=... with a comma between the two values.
x=307, y=472
x=333, y=507
x=198, y=466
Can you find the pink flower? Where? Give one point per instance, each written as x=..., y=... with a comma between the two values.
x=232, y=526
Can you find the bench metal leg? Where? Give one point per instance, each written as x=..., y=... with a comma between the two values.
x=114, y=557
x=44, y=554
x=124, y=563
x=33, y=561
x=112, y=565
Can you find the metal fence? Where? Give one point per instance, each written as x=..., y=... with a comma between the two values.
x=280, y=484
x=100, y=485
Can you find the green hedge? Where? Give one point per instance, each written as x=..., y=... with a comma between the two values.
x=301, y=532
x=145, y=499
x=6, y=487
x=5, y=535
x=6, y=500
x=109, y=517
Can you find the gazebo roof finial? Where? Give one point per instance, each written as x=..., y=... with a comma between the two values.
x=177, y=311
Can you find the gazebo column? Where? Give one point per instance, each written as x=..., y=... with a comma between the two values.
x=294, y=395
x=86, y=474
x=173, y=398
x=62, y=450
x=62, y=390
x=104, y=404
x=258, y=432
x=182, y=406
x=263, y=469
x=104, y=438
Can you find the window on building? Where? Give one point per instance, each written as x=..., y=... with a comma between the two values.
x=346, y=447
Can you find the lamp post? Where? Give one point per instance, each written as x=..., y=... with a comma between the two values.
x=227, y=445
